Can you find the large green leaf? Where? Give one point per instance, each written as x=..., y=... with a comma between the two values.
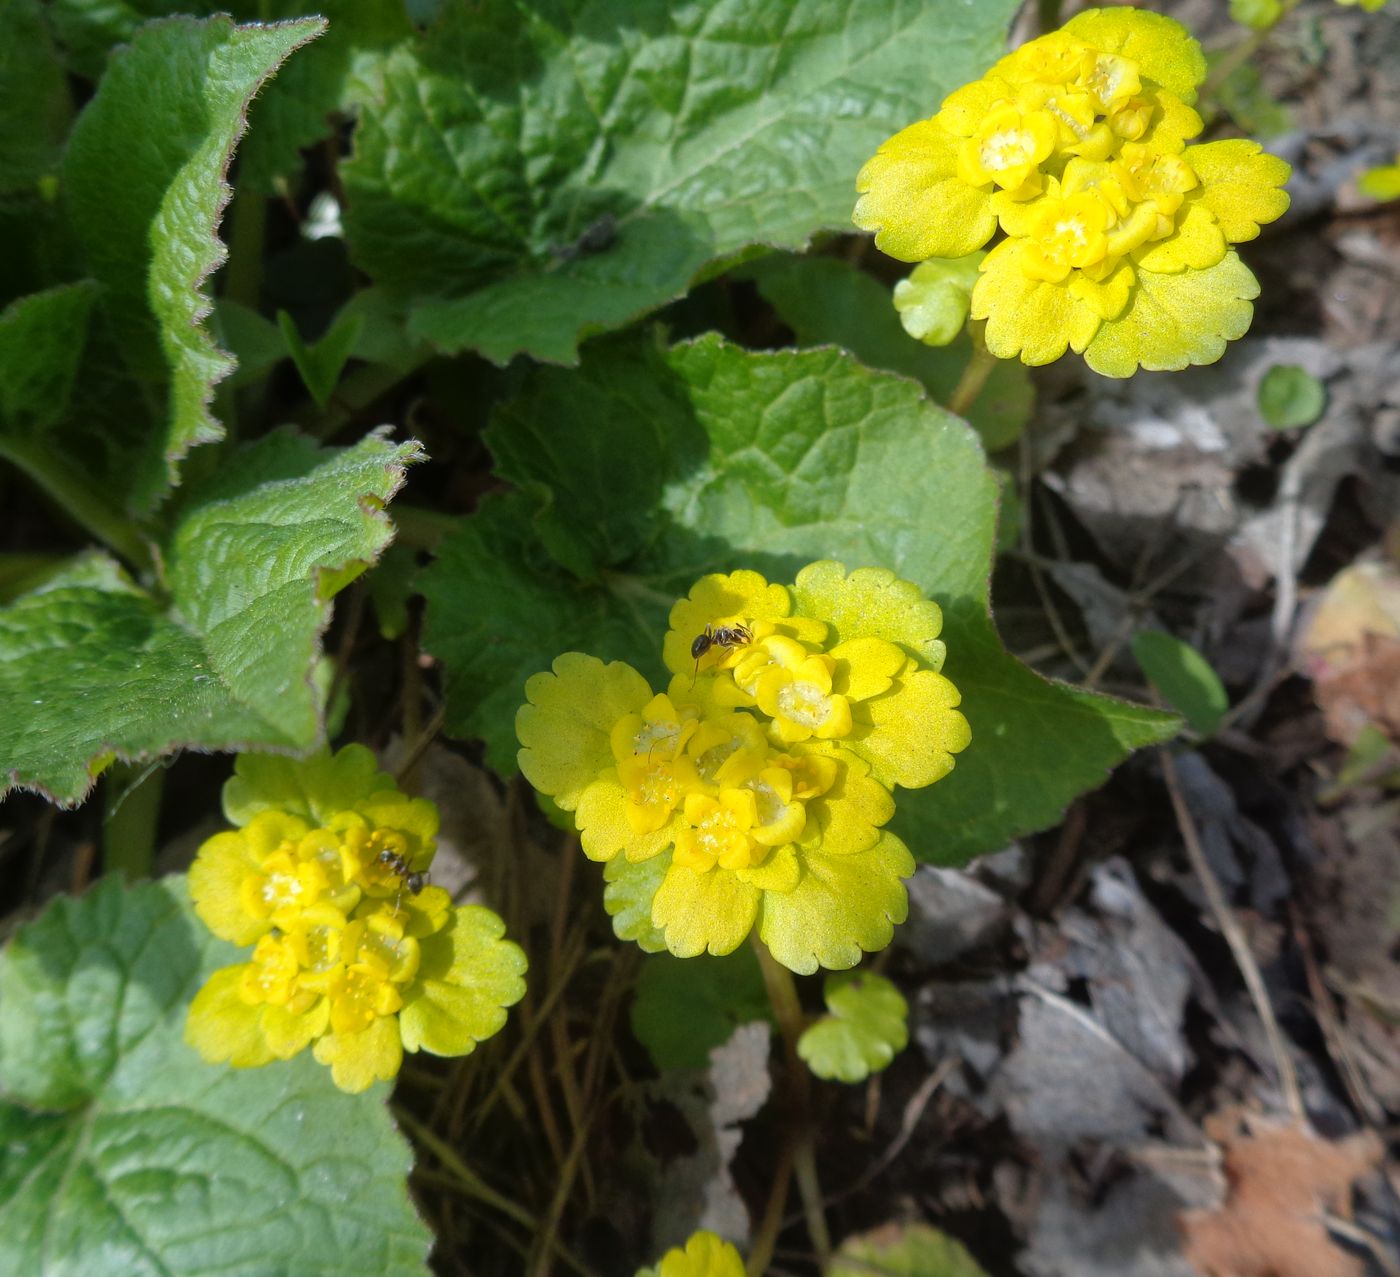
x=121, y=1152
x=41, y=341
x=826, y=299
x=530, y=173
x=34, y=103
x=777, y=459
x=92, y=665
x=182, y=87
x=295, y=110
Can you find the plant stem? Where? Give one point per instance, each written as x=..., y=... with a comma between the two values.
x=1233, y=58
x=974, y=375
x=131, y=809
x=359, y=389
x=787, y=1009
x=247, y=235
x=77, y=496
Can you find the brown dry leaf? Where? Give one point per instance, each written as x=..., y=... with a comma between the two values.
x=1283, y=1179
x=1351, y=648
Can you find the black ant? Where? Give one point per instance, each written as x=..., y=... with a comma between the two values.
x=725, y=636
x=413, y=879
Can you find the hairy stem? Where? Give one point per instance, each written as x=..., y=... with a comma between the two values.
x=79, y=498
x=130, y=810
x=974, y=376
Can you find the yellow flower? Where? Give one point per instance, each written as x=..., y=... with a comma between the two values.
x=754, y=792
x=1116, y=232
x=704, y=1255
x=1382, y=183
x=353, y=953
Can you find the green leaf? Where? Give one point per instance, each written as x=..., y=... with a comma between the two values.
x=532, y=173
x=320, y=365
x=1184, y=678
x=868, y=1026
x=1290, y=397
x=41, y=341
x=809, y=456
x=183, y=87
x=826, y=299
x=92, y=665
x=904, y=1250
x=295, y=110
x=122, y=1152
x=685, y=1007
x=35, y=106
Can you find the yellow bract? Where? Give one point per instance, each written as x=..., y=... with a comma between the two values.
x=1075, y=147
x=770, y=758
x=348, y=956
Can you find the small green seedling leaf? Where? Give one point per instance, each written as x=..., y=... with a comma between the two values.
x=1381, y=183
x=121, y=1151
x=1258, y=15
x=866, y=1028
x=1184, y=678
x=320, y=365
x=903, y=1250
x=685, y=1007
x=1290, y=397
x=933, y=302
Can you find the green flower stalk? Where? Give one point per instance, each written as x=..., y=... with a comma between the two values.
x=754, y=792
x=352, y=954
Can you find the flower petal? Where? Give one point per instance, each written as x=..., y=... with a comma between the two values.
x=224, y=1028
x=1240, y=184
x=358, y=1060
x=913, y=732
x=288, y=1033
x=698, y=912
x=847, y=818
x=565, y=726
x=604, y=829
x=843, y=905
x=627, y=898
x=1164, y=50
x=914, y=201
x=1027, y=317
x=1176, y=320
x=314, y=788
x=216, y=879
x=871, y=603
x=1196, y=243
x=467, y=976
x=718, y=597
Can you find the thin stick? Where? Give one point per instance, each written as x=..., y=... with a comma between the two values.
x=1234, y=937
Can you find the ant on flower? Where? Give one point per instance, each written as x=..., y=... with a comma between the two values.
x=725, y=636
x=413, y=879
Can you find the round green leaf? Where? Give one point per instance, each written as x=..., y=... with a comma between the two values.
x=1290, y=396
x=913, y=1250
x=867, y=1026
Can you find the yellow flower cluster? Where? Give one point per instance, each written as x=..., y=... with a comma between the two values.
x=755, y=790
x=324, y=877
x=1117, y=233
x=703, y=1255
